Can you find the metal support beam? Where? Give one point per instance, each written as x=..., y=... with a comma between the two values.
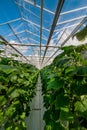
x=72, y=33
x=29, y=11
x=15, y=20
x=14, y=32
x=29, y=2
x=63, y=13
x=24, y=25
x=34, y=2
x=60, y=37
x=57, y=13
x=33, y=45
x=70, y=11
x=41, y=20
x=58, y=41
x=34, y=34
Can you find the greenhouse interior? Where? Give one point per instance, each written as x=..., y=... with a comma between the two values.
x=43, y=65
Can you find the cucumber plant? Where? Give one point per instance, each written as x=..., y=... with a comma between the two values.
x=65, y=90
x=17, y=88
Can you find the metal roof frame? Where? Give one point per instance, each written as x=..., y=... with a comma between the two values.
x=41, y=20
x=24, y=24
x=72, y=33
x=36, y=45
x=57, y=13
x=7, y=43
x=62, y=13
x=41, y=40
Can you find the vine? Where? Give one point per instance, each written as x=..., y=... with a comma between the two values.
x=17, y=88
x=65, y=90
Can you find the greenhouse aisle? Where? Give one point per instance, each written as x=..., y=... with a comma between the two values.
x=35, y=119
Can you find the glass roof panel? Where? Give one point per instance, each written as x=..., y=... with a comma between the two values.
x=52, y=6
x=5, y=31
x=8, y=11
x=73, y=4
x=17, y=26
x=39, y=28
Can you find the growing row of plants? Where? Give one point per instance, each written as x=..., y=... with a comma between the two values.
x=65, y=90
x=17, y=85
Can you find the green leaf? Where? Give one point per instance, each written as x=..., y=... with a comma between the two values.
x=82, y=90
x=55, y=84
x=68, y=49
x=1, y=117
x=61, y=101
x=10, y=90
x=81, y=70
x=9, y=125
x=21, y=91
x=2, y=87
x=9, y=128
x=1, y=51
x=2, y=42
x=58, y=126
x=3, y=101
x=47, y=116
x=55, y=115
x=20, y=81
x=14, y=94
x=81, y=35
x=65, y=115
x=4, y=79
x=70, y=70
x=10, y=111
x=23, y=115
x=51, y=76
x=48, y=127
x=7, y=69
x=27, y=83
x=23, y=124
x=81, y=106
x=16, y=103
x=62, y=61
x=13, y=78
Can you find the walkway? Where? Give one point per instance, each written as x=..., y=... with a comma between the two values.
x=35, y=119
